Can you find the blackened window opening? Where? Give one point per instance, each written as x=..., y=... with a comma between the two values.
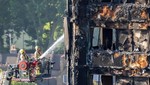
x=107, y=38
x=130, y=1
x=106, y=1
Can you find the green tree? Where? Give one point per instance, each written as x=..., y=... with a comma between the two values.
x=4, y=20
x=31, y=16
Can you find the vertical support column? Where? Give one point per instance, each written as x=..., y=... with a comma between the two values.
x=114, y=80
x=101, y=36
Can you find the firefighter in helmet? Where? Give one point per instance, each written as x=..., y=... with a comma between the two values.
x=37, y=54
x=23, y=56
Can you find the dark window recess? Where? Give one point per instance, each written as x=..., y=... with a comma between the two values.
x=96, y=1
x=130, y=1
x=109, y=80
x=106, y=1
x=117, y=1
x=148, y=11
x=107, y=39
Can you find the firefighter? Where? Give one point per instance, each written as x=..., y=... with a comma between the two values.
x=23, y=56
x=37, y=54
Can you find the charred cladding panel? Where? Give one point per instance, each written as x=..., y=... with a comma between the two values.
x=133, y=40
x=109, y=37
x=123, y=46
x=124, y=16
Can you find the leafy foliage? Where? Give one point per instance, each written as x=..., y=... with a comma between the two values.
x=47, y=26
x=40, y=19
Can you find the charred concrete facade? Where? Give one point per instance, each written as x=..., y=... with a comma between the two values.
x=110, y=38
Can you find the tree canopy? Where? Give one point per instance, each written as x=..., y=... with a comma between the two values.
x=40, y=19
